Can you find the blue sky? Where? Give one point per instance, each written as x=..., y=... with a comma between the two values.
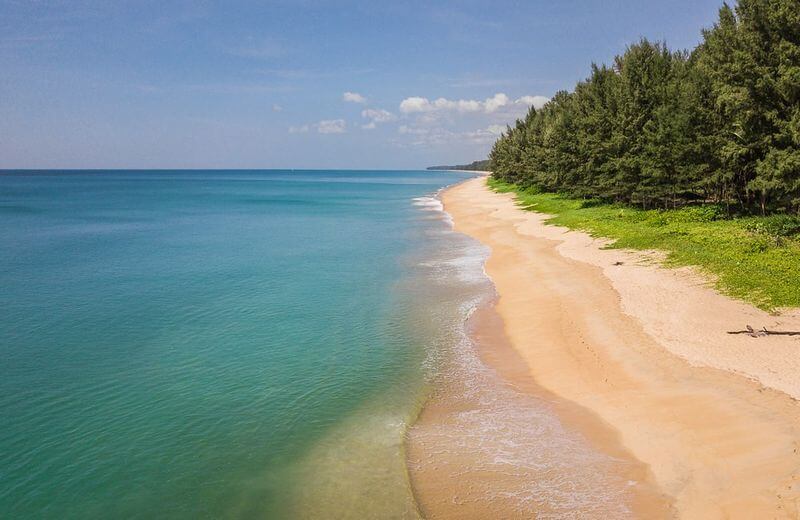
x=297, y=84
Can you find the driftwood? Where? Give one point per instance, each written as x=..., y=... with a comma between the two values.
x=764, y=332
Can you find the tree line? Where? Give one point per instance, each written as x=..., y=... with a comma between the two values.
x=661, y=128
x=482, y=165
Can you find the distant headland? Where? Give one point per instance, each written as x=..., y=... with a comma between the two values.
x=483, y=165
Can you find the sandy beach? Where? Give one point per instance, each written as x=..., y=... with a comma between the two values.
x=641, y=355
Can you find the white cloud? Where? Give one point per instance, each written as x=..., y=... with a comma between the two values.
x=533, y=101
x=331, y=126
x=420, y=104
x=354, y=97
x=497, y=101
x=432, y=123
x=376, y=115
x=276, y=108
x=326, y=126
x=417, y=104
x=444, y=122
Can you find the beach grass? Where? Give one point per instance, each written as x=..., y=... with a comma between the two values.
x=755, y=259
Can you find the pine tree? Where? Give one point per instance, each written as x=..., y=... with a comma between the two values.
x=662, y=128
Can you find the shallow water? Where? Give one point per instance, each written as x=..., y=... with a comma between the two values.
x=211, y=344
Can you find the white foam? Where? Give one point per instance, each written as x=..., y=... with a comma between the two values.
x=428, y=203
x=433, y=203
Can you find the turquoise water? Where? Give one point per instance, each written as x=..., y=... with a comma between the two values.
x=220, y=344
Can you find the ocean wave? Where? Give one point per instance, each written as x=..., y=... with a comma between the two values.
x=428, y=203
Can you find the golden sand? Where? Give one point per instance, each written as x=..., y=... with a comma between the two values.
x=455, y=483
x=640, y=358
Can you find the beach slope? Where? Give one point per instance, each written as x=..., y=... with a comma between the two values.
x=715, y=417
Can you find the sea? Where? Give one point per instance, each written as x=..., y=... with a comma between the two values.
x=239, y=344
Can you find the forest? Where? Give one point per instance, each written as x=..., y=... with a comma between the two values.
x=663, y=129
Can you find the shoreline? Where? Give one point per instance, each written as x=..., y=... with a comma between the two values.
x=643, y=349
x=485, y=477
x=461, y=486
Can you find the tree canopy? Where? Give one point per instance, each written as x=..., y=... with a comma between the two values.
x=662, y=128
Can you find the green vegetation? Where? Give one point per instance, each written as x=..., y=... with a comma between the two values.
x=677, y=150
x=756, y=259
x=473, y=166
x=659, y=128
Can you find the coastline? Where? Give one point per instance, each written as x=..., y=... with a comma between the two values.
x=482, y=173
x=643, y=351
x=489, y=441
x=463, y=483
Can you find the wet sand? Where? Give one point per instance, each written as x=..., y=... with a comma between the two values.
x=454, y=472
x=636, y=358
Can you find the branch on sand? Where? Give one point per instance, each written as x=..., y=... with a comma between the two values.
x=763, y=332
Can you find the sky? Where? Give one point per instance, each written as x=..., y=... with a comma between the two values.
x=301, y=83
